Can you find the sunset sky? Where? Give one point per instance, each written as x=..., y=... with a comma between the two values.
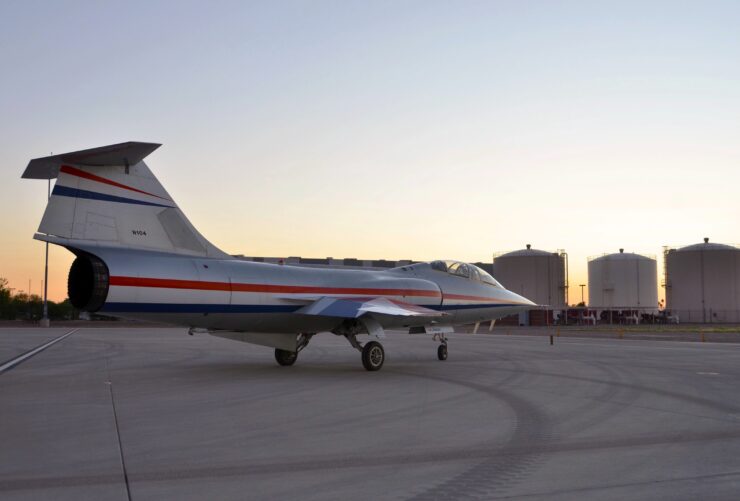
x=399, y=130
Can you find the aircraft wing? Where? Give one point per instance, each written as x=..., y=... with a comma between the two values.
x=356, y=307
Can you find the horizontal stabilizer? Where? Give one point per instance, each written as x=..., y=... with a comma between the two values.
x=130, y=153
x=356, y=307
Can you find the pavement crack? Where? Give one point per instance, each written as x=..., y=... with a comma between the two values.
x=118, y=433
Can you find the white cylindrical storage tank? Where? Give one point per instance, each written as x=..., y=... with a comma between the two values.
x=538, y=275
x=623, y=281
x=703, y=282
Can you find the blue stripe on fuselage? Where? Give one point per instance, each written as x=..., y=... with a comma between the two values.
x=66, y=191
x=196, y=308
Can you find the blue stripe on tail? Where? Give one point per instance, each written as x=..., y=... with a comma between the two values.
x=66, y=191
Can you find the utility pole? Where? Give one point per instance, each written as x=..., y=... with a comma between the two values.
x=582, y=286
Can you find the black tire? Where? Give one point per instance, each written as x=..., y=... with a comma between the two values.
x=373, y=356
x=285, y=357
x=442, y=352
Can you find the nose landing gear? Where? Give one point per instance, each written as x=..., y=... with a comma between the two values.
x=442, y=352
x=442, y=348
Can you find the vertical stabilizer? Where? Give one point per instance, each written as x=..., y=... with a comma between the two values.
x=108, y=196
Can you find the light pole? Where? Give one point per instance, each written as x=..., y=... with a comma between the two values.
x=45, y=317
x=582, y=286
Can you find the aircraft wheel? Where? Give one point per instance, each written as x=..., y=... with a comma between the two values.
x=285, y=357
x=442, y=352
x=373, y=356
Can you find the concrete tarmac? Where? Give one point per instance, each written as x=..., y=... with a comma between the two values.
x=148, y=413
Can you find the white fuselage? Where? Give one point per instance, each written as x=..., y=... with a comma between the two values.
x=247, y=296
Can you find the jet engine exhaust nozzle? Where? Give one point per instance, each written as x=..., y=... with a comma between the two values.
x=87, y=285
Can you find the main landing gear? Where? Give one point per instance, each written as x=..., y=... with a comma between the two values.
x=286, y=357
x=373, y=354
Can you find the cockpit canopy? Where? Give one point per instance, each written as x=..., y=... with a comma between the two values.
x=465, y=270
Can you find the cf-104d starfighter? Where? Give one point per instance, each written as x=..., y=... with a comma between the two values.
x=138, y=257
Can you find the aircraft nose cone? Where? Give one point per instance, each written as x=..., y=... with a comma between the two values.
x=523, y=300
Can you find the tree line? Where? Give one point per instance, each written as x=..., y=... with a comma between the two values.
x=24, y=306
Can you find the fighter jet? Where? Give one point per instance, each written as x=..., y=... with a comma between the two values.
x=138, y=257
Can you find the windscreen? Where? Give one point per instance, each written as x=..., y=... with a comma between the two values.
x=465, y=270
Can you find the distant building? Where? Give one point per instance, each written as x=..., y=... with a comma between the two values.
x=702, y=282
x=540, y=276
x=623, y=281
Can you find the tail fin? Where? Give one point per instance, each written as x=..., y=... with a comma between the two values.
x=108, y=196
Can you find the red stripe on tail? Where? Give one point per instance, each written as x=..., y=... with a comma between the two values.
x=73, y=171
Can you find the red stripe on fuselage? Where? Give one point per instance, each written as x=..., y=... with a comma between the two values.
x=463, y=297
x=169, y=283
x=73, y=171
